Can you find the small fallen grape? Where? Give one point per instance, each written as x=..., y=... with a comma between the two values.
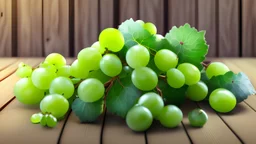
x=197, y=117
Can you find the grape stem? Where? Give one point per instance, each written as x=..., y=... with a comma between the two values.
x=110, y=84
x=206, y=64
x=162, y=76
x=159, y=91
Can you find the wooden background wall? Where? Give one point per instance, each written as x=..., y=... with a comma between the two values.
x=39, y=27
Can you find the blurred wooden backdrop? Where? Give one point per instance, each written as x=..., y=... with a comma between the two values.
x=39, y=27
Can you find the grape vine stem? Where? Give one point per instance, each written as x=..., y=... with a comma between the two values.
x=159, y=91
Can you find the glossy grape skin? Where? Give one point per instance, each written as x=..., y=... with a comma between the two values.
x=27, y=93
x=197, y=92
x=62, y=86
x=170, y=116
x=78, y=70
x=54, y=104
x=56, y=59
x=197, y=117
x=111, y=65
x=175, y=78
x=112, y=39
x=42, y=78
x=24, y=70
x=141, y=22
x=215, y=69
x=90, y=90
x=139, y=118
x=36, y=118
x=137, y=56
x=165, y=60
x=144, y=78
x=150, y=27
x=48, y=66
x=43, y=121
x=97, y=46
x=51, y=121
x=64, y=71
x=222, y=100
x=90, y=57
x=191, y=73
x=153, y=102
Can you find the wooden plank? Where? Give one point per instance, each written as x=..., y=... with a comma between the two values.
x=153, y=11
x=181, y=12
x=9, y=70
x=5, y=28
x=128, y=9
x=116, y=131
x=106, y=14
x=56, y=26
x=228, y=32
x=30, y=27
x=86, y=23
x=207, y=21
x=5, y=62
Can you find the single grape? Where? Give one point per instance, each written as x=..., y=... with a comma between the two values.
x=139, y=118
x=141, y=22
x=42, y=78
x=63, y=71
x=24, y=70
x=90, y=57
x=144, y=78
x=78, y=70
x=36, y=118
x=56, y=59
x=175, y=78
x=43, y=121
x=54, y=104
x=191, y=73
x=97, y=46
x=62, y=86
x=170, y=116
x=137, y=56
x=90, y=90
x=165, y=60
x=51, y=121
x=126, y=71
x=215, y=69
x=197, y=117
x=222, y=100
x=112, y=39
x=150, y=27
x=27, y=93
x=197, y=92
x=153, y=102
x=48, y=66
x=111, y=65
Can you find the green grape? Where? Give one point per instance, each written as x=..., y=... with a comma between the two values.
x=112, y=39
x=90, y=90
x=165, y=59
x=197, y=118
x=27, y=93
x=197, y=92
x=144, y=78
x=97, y=46
x=215, y=69
x=222, y=100
x=153, y=102
x=139, y=118
x=56, y=59
x=170, y=116
x=126, y=71
x=63, y=71
x=43, y=121
x=150, y=27
x=191, y=73
x=42, y=78
x=78, y=70
x=48, y=66
x=98, y=74
x=111, y=65
x=36, y=118
x=62, y=86
x=90, y=57
x=75, y=80
x=51, y=121
x=175, y=78
x=54, y=104
x=137, y=56
x=141, y=22
x=24, y=70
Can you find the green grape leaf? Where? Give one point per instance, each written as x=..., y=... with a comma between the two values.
x=172, y=95
x=239, y=84
x=87, y=112
x=98, y=74
x=189, y=44
x=122, y=96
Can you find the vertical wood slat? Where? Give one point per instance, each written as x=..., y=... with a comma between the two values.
x=248, y=28
x=106, y=12
x=128, y=9
x=228, y=32
x=5, y=27
x=56, y=26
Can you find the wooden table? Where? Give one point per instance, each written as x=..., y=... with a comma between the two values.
x=237, y=127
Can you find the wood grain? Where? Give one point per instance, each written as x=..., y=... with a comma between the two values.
x=153, y=11
x=30, y=27
x=86, y=23
x=106, y=14
x=128, y=9
x=228, y=32
x=5, y=62
x=5, y=28
x=248, y=27
x=56, y=26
